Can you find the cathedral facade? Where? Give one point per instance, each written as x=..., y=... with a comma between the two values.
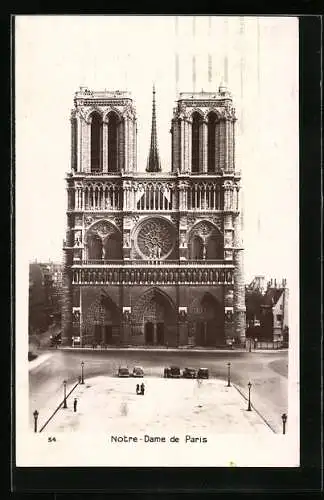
x=153, y=257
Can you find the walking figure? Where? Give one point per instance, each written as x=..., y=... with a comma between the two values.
x=142, y=388
x=137, y=389
x=75, y=402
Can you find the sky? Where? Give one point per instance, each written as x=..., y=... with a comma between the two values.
x=55, y=55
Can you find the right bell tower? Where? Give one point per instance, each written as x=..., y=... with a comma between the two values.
x=203, y=158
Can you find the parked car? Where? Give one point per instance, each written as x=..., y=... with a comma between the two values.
x=189, y=373
x=203, y=373
x=123, y=371
x=138, y=371
x=76, y=341
x=172, y=372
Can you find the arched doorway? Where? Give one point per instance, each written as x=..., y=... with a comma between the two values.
x=149, y=333
x=207, y=319
x=102, y=322
x=154, y=315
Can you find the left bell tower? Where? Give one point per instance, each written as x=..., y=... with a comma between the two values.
x=103, y=156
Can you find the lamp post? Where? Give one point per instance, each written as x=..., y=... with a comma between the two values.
x=64, y=385
x=255, y=343
x=284, y=420
x=249, y=404
x=250, y=345
x=82, y=375
x=228, y=374
x=35, y=420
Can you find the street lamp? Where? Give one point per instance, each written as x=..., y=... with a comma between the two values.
x=82, y=375
x=228, y=374
x=284, y=420
x=255, y=343
x=250, y=345
x=35, y=420
x=249, y=405
x=64, y=385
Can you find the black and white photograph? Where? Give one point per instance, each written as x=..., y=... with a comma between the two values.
x=157, y=241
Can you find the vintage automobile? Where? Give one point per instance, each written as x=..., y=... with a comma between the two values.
x=123, y=371
x=138, y=371
x=76, y=341
x=172, y=372
x=189, y=373
x=203, y=373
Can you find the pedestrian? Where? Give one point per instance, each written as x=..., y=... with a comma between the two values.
x=137, y=389
x=75, y=402
x=142, y=389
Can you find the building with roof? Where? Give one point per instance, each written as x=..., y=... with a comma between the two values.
x=267, y=310
x=45, y=290
x=153, y=257
x=274, y=311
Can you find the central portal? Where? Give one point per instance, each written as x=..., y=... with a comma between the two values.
x=154, y=333
x=160, y=333
x=155, y=319
x=149, y=333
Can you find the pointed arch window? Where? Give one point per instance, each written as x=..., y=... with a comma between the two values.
x=96, y=142
x=215, y=247
x=74, y=132
x=196, y=248
x=212, y=119
x=95, y=248
x=113, y=142
x=195, y=142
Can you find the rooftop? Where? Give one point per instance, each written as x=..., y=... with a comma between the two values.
x=272, y=296
x=86, y=93
x=222, y=93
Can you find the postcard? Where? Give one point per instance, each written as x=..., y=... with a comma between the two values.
x=157, y=237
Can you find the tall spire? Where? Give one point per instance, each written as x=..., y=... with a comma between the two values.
x=153, y=161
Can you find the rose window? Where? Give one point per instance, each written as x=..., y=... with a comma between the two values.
x=155, y=238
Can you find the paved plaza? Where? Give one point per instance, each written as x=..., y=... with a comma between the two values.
x=111, y=405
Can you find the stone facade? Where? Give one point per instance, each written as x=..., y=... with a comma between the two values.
x=153, y=257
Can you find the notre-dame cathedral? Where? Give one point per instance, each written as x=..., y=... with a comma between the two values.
x=153, y=257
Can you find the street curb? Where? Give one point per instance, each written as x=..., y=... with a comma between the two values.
x=41, y=358
x=57, y=409
x=142, y=349
x=255, y=409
